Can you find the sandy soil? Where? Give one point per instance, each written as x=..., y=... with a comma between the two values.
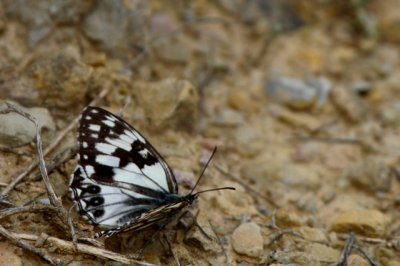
x=301, y=98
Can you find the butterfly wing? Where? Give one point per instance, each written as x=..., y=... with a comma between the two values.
x=159, y=214
x=119, y=174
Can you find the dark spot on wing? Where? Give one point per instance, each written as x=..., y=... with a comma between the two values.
x=96, y=201
x=98, y=213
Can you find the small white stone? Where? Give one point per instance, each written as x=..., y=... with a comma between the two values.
x=247, y=240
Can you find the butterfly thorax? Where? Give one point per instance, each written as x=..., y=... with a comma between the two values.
x=176, y=198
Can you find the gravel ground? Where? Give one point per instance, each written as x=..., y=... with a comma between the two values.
x=302, y=99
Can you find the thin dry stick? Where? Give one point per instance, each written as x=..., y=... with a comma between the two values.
x=352, y=243
x=25, y=245
x=28, y=208
x=54, y=200
x=281, y=231
x=71, y=227
x=127, y=103
x=83, y=248
x=219, y=241
x=55, y=142
x=59, y=159
x=347, y=249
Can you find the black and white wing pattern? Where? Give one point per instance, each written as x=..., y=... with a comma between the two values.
x=121, y=181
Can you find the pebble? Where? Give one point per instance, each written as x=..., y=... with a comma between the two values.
x=59, y=80
x=247, y=240
x=291, y=92
x=174, y=50
x=170, y=102
x=347, y=103
x=229, y=117
x=391, y=114
x=115, y=26
x=322, y=253
x=362, y=87
x=312, y=234
x=16, y=130
x=371, y=223
x=234, y=204
x=356, y=260
x=299, y=176
x=299, y=94
x=295, y=119
x=371, y=174
x=288, y=218
x=241, y=100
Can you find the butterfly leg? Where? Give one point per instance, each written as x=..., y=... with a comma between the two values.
x=188, y=219
x=151, y=239
x=169, y=244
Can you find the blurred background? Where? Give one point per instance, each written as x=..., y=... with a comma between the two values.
x=301, y=98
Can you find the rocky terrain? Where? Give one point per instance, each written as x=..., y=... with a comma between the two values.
x=302, y=99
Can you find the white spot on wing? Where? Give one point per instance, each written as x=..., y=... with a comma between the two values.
x=105, y=148
x=125, y=138
x=130, y=134
x=84, y=144
x=109, y=123
x=85, y=157
x=111, y=118
x=94, y=127
x=95, y=136
x=94, y=111
x=89, y=170
x=108, y=160
x=88, y=117
x=119, y=143
x=135, y=194
x=132, y=168
x=134, y=135
x=123, y=175
x=157, y=173
x=144, y=153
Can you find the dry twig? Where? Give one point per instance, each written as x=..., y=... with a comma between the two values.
x=54, y=200
x=55, y=142
x=281, y=231
x=25, y=245
x=69, y=246
x=219, y=241
x=28, y=208
x=352, y=243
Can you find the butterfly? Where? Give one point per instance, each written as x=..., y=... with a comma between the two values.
x=121, y=182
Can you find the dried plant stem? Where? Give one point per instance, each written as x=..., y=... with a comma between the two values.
x=25, y=245
x=28, y=208
x=50, y=191
x=82, y=248
x=54, y=143
x=350, y=244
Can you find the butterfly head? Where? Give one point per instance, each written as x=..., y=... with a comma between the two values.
x=171, y=198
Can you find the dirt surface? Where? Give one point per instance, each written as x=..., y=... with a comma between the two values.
x=302, y=99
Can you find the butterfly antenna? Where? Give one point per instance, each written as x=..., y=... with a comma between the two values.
x=204, y=169
x=214, y=189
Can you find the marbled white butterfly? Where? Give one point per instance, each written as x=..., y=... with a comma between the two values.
x=121, y=181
